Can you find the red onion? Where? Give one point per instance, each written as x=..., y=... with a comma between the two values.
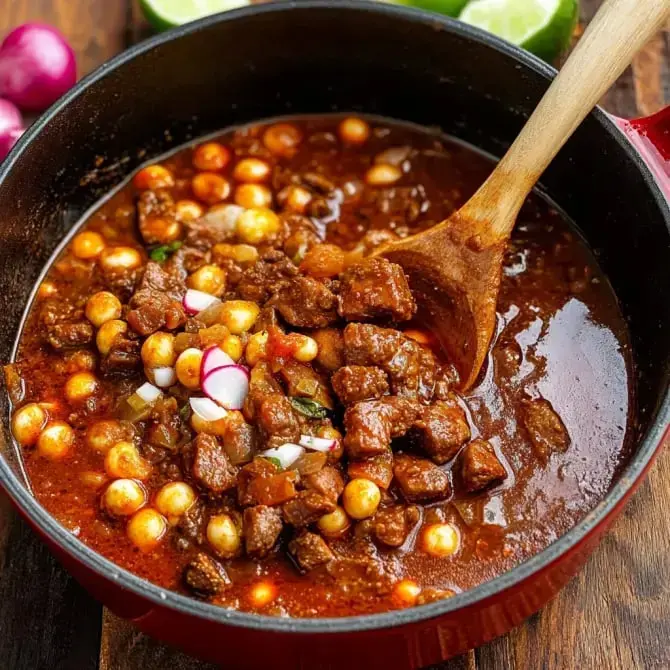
x=228, y=386
x=287, y=454
x=213, y=358
x=37, y=66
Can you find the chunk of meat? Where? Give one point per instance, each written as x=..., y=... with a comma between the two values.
x=262, y=526
x=306, y=382
x=261, y=280
x=277, y=421
x=70, y=335
x=355, y=383
x=239, y=440
x=480, y=466
x=310, y=551
x=310, y=462
x=441, y=430
x=306, y=303
x=164, y=426
x=327, y=482
x=193, y=522
x=331, y=348
x=392, y=525
x=212, y=468
x=361, y=574
x=546, y=430
x=123, y=357
x=371, y=425
x=399, y=356
x=155, y=278
x=307, y=507
x=205, y=576
x=258, y=468
x=373, y=289
x=273, y=490
x=378, y=469
x=419, y=479
x=152, y=310
x=155, y=213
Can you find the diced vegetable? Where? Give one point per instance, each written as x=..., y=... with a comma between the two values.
x=165, y=377
x=207, y=409
x=162, y=253
x=214, y=358
x=317, y=443
x=197, y=301
x=286, y=455
x=148, y=392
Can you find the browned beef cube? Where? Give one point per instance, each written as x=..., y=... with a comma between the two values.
x=155, y=278
x=259, y=467
x=546, y=430
x=306, y=303
x=307, y=507
x=239, y=440
x=205, y=576
x=261, y=280
x=310, y=550
x=354, y=383
x=480, y=466
x=154, y=210
x=392, y=525
x=371, y=425
x=277, y=420
x=399, y=356
x=164, y=427
x=70, y=335
x=378, y=469
x=262, y=526
x=304, y=381
x=331, y=348
x=327, y=481
x=123, y=357
x=212, y=468
x=193, y=522
x=442, y=429
x=152, y=310
x=375, y=288
x=419, y=479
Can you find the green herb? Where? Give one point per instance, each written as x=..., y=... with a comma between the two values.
x=309, y=408
x=275, y=461
x=185, y=412
x=162, y=253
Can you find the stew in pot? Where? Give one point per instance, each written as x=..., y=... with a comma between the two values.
x=220, y=388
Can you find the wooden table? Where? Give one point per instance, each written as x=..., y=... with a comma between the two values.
x=616, y=614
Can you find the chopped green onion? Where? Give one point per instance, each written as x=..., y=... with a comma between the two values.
x=162, y=253
x=309, y=408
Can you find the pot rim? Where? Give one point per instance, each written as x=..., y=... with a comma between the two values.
x=634, y=470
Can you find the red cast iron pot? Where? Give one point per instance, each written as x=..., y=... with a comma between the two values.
x=318, y=56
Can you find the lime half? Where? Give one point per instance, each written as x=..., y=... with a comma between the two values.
x=164, y=14
x=543, y=27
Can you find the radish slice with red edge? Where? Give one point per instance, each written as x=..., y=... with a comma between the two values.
x=317, y=443
x=149, y=393
x=214, y=358
x=287, y=454
x=164, y=377
x=197, y=301
x=228, y=386
x=207, y=409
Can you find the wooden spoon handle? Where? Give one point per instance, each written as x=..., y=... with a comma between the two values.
x=617, y=32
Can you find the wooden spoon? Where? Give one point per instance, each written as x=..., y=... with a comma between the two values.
x=455, y=267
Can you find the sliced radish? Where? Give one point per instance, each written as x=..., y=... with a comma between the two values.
x=164, y=377
x=148, y=392
x=213, y=358
x=287, y=454
x=228, y=386
x=197, y=301
x=207, y=409
x=317, y=443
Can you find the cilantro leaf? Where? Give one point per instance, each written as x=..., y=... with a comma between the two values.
x=162, y=253
x=309, y=408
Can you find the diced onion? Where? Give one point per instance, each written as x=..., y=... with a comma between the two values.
x=207, y=409
x=317, y=443
x=287, y=454
x=197, y=301
x=164, y=377
x=148, y=392
x=228, y=386
x=214, y=358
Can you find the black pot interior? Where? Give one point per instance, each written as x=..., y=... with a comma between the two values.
x=324, y=57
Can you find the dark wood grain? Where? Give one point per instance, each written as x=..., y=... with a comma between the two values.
x=615, y=615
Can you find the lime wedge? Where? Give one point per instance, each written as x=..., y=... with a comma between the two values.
x=164, y=14
x=543, y=27
x=447, y=7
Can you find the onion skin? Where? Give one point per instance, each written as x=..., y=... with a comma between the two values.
x=37, y=66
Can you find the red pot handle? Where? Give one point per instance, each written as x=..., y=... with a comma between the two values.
x=651, y=137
